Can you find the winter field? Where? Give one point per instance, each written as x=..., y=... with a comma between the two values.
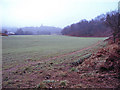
x=23, y=55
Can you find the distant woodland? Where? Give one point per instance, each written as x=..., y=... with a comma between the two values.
x=94, y=28
x=42, y=30
x=104, y=25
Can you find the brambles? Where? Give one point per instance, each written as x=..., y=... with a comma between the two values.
x=76, y=63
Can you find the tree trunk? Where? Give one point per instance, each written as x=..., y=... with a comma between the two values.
x=114, y=38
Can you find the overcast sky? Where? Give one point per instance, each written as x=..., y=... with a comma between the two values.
x=59, y=13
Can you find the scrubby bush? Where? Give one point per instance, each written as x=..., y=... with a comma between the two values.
x=63, y=83
x=76, y=63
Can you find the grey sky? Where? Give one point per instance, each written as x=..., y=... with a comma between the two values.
x=59, y=13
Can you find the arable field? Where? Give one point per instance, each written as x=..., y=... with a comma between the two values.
x=26, y=56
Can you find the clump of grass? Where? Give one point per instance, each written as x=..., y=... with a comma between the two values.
x=56, y=63
x=74, y=69
x=41, y=85
x=27, y=70
x=63, y=83
x=63, y=74
x=23, y=70
x=5, y=79
x=8, y=83
x=76, y=63
x=48, y=81
x=103, y=44
x=44, y=83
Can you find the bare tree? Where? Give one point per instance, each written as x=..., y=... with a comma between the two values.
x=112, y=22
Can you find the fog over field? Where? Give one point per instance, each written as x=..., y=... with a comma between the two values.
x=58, y=13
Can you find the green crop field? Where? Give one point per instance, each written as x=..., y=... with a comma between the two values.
x=37, y=47
x=33, y=56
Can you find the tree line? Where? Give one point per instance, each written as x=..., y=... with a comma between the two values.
x=42, y=30
x=102, y=25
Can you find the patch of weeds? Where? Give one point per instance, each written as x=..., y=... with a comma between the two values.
x=27, y=70
x=23, y=70
x=76, y=63
x=103, y=44
x=78, y=86
x=80, y=54
x=49, y=81
x=41, y=85
x=11, y=82
x=91, y=74
x=63, y=83
x=6, y=67
x=49, y=67
x=5, y=79
x=74, y=69
x=56, y=63
x=8, y=83
x=63, y=74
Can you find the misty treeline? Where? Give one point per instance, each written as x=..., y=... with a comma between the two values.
x=102, y=25
x=42, y=30
x=22, y=32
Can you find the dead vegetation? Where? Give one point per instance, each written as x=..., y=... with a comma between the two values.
x=104, y=66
